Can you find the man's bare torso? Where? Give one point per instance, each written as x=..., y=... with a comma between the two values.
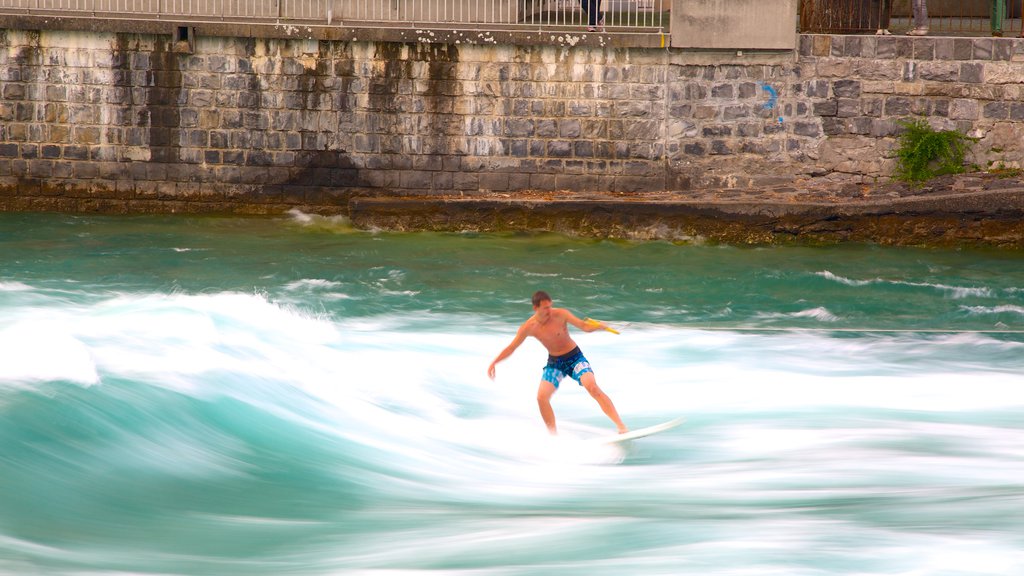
x=553, y=334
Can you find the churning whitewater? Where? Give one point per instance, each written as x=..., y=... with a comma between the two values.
x=291, y=396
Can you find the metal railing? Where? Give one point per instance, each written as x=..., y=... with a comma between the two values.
x=613, y=16
x=945, y=17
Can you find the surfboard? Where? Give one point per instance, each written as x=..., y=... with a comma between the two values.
x=639, y=432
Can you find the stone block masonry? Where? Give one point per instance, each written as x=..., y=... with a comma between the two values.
x=860, y=88
x=118, y=122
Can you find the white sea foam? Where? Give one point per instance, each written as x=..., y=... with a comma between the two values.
x=842, y=280
x=1001, y=309
x=340, y=223
x=44, y=349
x=311, y=284
x=14, y=286
x=954, y=291
x=819, y=313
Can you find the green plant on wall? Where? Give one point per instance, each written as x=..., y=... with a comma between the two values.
x=924, y=152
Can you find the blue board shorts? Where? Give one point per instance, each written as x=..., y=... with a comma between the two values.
x=572, y=364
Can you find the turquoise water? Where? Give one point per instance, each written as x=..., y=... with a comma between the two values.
x=290, y=396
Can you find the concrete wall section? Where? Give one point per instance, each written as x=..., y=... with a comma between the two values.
x=735, y=24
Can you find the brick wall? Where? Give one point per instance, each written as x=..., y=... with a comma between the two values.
x=123, y=122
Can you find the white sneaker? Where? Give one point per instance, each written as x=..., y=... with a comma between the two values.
x=918, y=32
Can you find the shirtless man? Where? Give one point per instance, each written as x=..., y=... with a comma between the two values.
x=550, y=326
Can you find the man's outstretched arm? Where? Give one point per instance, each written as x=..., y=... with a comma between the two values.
x=519, y=339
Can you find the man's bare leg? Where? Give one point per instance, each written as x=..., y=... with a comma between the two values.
x=544, y=393
x=589, y=381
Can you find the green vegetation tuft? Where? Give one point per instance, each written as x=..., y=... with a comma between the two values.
x=925, y=153
x=1001, y=170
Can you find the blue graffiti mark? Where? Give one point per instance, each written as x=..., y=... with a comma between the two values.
x=773, y=99
x=773, y=96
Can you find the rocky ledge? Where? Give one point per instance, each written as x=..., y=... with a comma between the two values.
x=963, y=210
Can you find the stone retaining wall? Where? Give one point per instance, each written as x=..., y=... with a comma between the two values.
x=114, y=122
x=860, y=87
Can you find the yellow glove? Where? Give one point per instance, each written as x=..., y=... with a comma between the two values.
x=593, y=322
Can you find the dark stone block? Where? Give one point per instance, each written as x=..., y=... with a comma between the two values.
x=695, y=149
x=833, y=126
x=559, y=149
x=519, y=128
x=74, y=152
x=681, y=111
x=1002, y=49
x=854, y=46
x=861, y=125
x=997, y=110
x=748, y=130
x=258, y=158
x=846, y=88
x=810, y=129
x=752, y=147
x=569, y=128
x=872, y=106
x=972, y=72
x=882, y=127
x=885, y=47
x=963, y=49
x=416, y=179
x=516, y=148
x=583, y=149
x=249, y=100
x=720, y=148
x=924, y=48
x=735, y=112
x=219, y=139
x=983, y=49
x=722, y=91
x=826, y=108
x=921, y=106
x=806, y=45
x=848, y=107
x=716, y=130
x=818, y=88
x=897, y=106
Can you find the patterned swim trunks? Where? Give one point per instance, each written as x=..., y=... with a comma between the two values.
x=572, y=364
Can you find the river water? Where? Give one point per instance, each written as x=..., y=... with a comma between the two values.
x=214, y=396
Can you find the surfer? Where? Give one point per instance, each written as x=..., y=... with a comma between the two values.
x=550, y=325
